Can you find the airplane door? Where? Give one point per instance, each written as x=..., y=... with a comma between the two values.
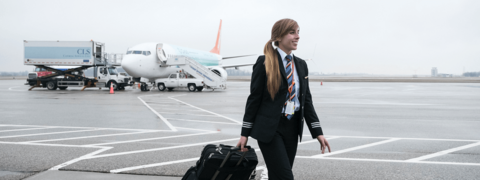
x=172, y=81
x=161, y=53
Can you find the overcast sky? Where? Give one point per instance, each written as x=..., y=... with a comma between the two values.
x=350, y=36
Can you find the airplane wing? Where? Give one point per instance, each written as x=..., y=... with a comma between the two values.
x=231, y=57
x=235, y=65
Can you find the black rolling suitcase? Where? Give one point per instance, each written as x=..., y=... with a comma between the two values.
x=222, y=162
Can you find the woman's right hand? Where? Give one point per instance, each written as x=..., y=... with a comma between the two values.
x=242, y=143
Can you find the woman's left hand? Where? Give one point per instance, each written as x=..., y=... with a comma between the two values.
x=323, y=143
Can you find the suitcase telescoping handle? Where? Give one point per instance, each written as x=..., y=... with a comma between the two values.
x=227, y=158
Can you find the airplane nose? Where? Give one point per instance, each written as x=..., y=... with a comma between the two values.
x=128, y=65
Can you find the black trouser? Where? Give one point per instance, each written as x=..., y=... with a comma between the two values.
x=279, y=154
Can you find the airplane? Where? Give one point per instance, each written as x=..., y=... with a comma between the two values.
x=142, y=60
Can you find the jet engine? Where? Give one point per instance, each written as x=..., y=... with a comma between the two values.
x=219, y=71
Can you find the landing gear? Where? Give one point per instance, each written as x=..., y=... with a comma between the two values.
x=144, y=87
x=62, y=88
x=199, y=88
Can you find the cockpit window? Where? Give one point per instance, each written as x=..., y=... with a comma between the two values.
x=145, y=53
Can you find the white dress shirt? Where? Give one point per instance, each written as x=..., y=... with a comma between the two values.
x=283, y=55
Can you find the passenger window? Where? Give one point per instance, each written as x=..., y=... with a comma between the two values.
x=173, y=76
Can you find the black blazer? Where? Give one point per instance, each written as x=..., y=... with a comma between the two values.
x=262, y=114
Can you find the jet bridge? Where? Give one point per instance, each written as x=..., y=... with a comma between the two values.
x=210, y=79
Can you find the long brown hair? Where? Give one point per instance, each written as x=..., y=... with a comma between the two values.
x=279, y=29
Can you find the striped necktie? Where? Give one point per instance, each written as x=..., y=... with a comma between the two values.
x=291, y=83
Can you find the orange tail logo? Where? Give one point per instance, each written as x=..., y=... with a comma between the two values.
x=216, y=49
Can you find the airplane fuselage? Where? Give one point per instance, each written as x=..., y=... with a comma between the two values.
x=145, y=60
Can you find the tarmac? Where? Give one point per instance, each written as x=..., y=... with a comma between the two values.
x=376, y=131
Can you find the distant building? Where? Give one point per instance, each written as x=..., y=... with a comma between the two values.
x=434, y=72
x=445, y=75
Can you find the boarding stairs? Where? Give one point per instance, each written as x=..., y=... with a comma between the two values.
x=199, y=71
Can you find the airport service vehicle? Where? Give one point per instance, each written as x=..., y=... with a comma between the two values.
x=152, y=61
x=42, y=72
x=79, y=56
x=179, y=80
x=192, y=75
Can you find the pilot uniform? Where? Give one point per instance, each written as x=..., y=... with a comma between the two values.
x=265, y=120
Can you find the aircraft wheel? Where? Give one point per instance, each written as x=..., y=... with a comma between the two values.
x=199, y=88
x=169, y=89
x=161, y=87
x=192, y=87
x=144, y=87
x=62, y=88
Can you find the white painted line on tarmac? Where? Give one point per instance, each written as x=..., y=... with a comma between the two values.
x=316, y=140
x=200, y=121
x=160, y=116
x=164, y=103
x=376, y=103
x=387, y=160
x=152, y=165
x=171, y=109
x=188, y=114
x=423, y=139
x=78, y=127
x=159, y=149
x=95, y=136
x=80, y=158
x=421, y=158
x=11, y=130
x=206, y=110
x=264, y=175
x=260, y=168
x=42, y=144
x=356, y=148
x=11, y=88
x=40, y=134
x=194, y=129
x=149, y=139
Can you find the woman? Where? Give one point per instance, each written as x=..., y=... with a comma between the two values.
x=279, y=102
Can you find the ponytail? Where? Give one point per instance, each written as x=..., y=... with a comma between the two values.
x=279, y=30
x=272, y=69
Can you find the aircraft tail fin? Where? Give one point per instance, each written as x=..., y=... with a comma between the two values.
x=216, y=49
